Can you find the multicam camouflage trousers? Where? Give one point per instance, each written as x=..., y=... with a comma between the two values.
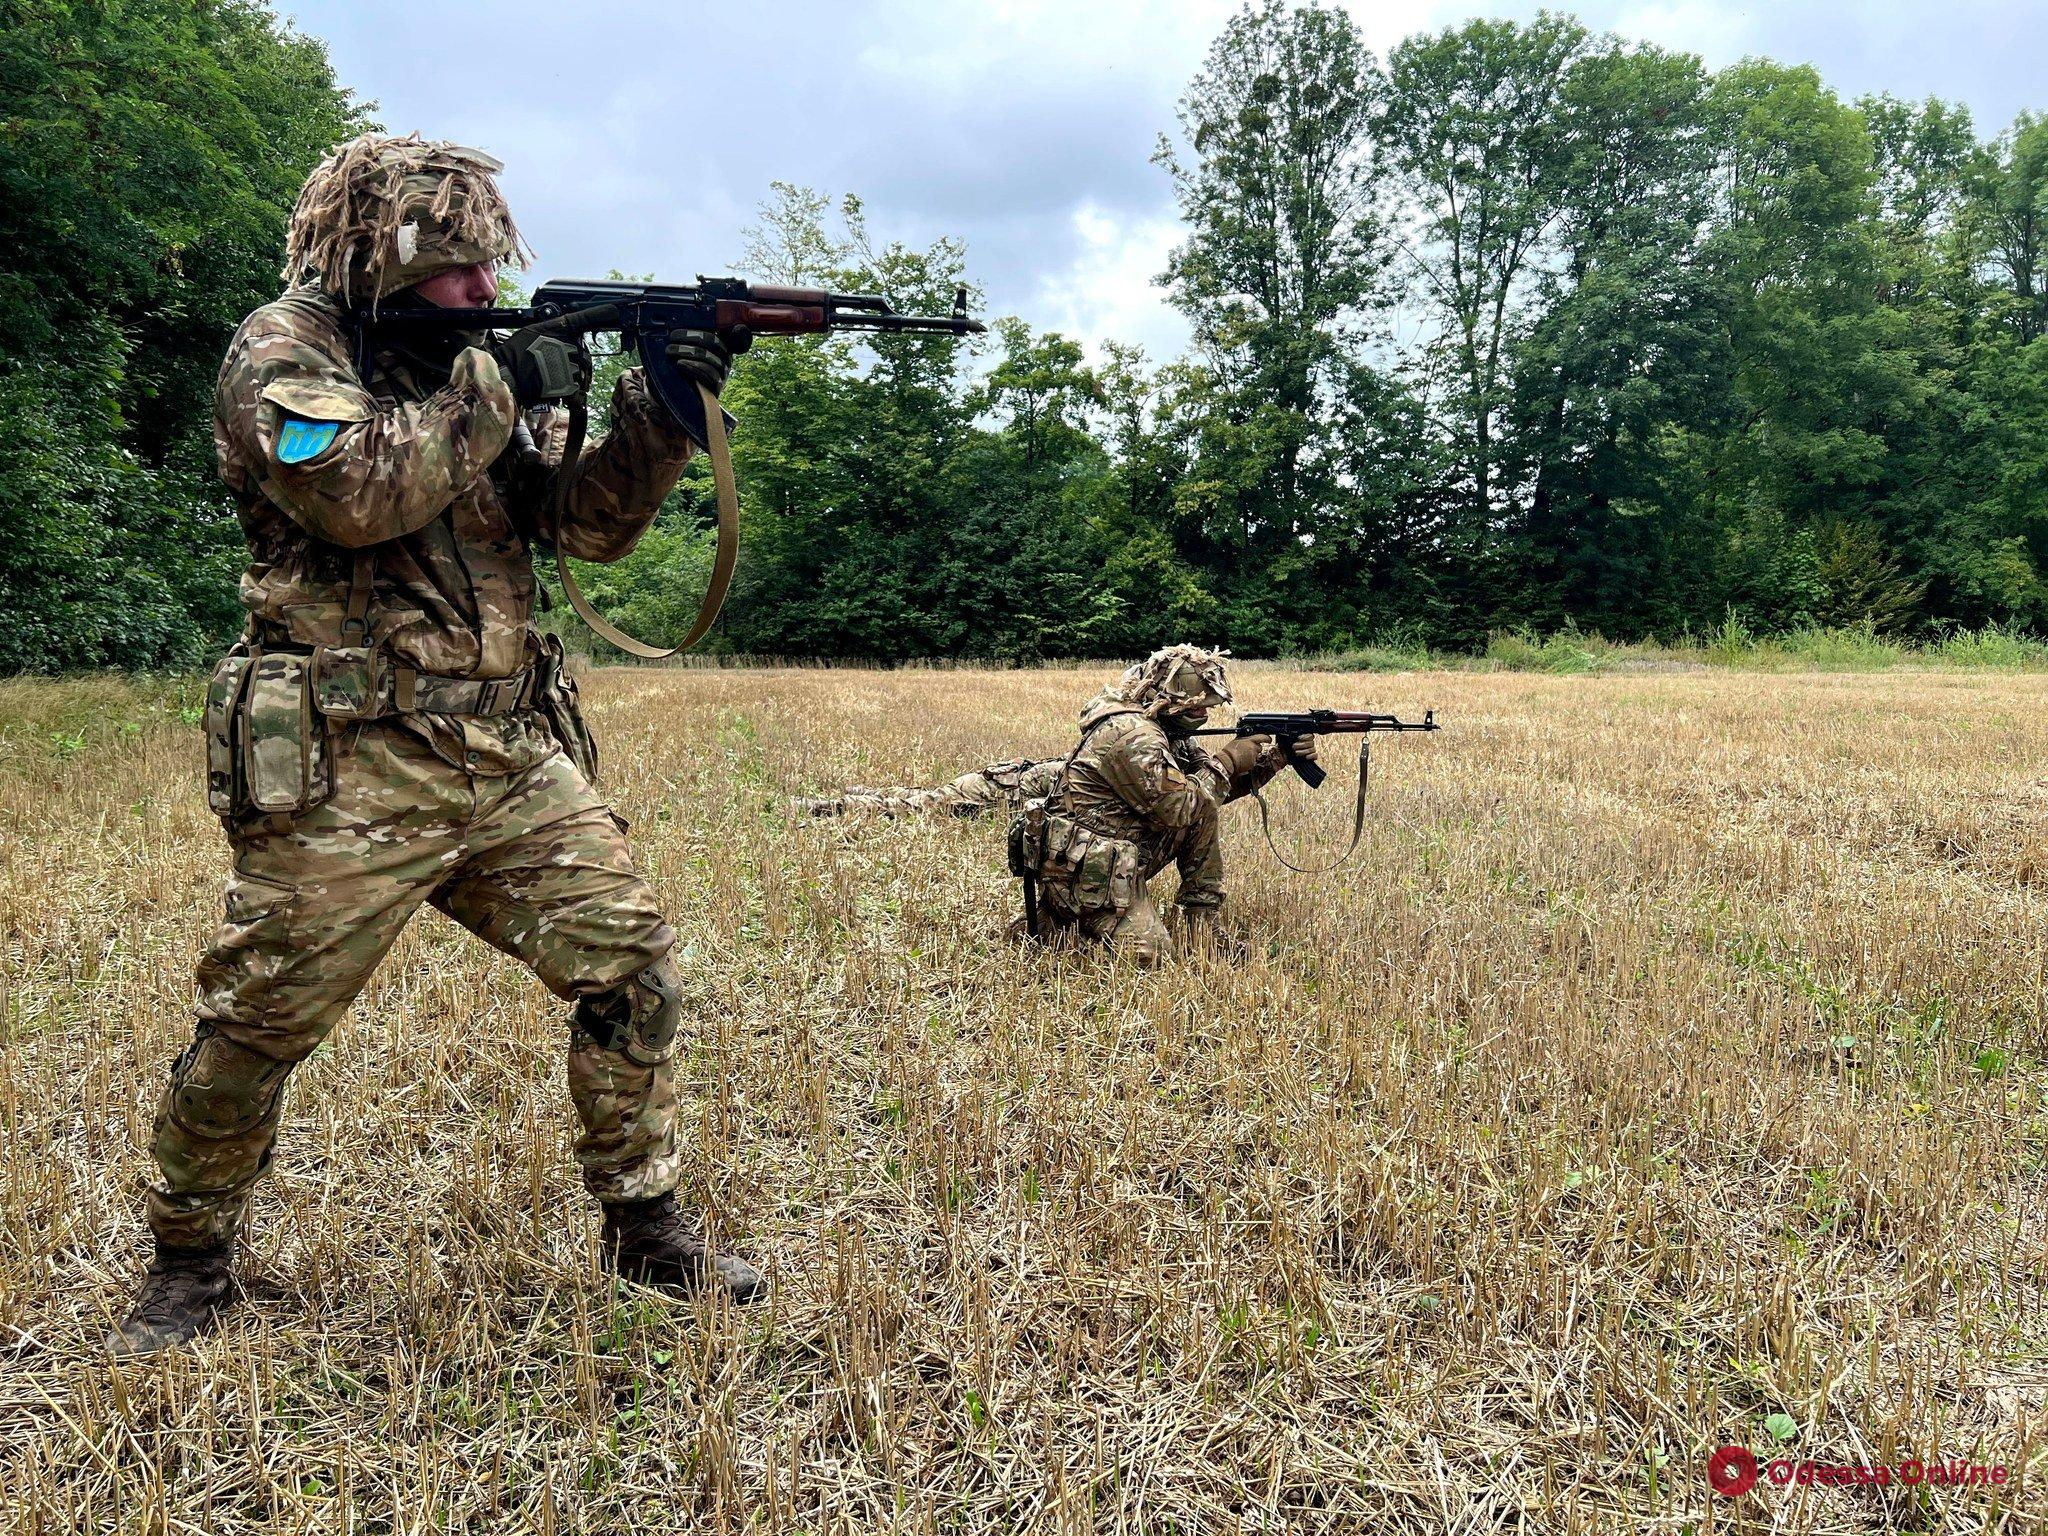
x=532, y=862
x=1138, y=929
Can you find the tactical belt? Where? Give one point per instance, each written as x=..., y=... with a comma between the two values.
x=403, y=691
x=406, y=692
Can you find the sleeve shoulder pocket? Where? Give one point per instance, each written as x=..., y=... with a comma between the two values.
x=305, y=416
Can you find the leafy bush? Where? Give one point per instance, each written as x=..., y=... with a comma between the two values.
x=152, y=151
x=1991, y=646
x=1564, y=653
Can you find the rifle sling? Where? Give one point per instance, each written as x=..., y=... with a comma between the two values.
x=1357, y=818
x=721, y=565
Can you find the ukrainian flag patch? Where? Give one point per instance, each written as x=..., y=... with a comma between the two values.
x=298, y=441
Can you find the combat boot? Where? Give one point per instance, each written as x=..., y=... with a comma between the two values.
x=183, y=1294
x=649, y=1241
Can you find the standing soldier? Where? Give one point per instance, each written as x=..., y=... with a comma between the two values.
x=391, y=729
x=1138, y=793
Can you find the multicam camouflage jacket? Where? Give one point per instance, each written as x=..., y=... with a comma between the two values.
x=1129, y=778
x=415, y=470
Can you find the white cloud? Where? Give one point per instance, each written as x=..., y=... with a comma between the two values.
x=1106, y=292
x=1022, y=127
x=942, y=47
x=1386, y=22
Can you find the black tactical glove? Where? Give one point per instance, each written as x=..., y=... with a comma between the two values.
x=700, y=357
x=542, y=369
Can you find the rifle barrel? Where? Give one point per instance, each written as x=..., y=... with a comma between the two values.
x=1317, y=722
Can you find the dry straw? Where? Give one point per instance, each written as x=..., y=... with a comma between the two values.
x=1671, y=1061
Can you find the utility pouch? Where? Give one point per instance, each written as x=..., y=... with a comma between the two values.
x=1007, y=776
x=346, y=680
x=1094, y=872
x=555, y=696
x=1102, y=880
x=285, y=762
x=1065, y=845
x=223, y=705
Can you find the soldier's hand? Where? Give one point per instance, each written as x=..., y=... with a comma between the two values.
x=701, y=357
x=542, y=368
x=1302, y=749
x=1241, y=754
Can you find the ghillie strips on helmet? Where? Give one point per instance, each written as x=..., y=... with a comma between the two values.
x=1177, y=677
x=385, y=211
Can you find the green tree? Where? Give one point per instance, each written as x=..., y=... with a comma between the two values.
x=1625, y=362
x=1280, y=278
x=149, y=152
x=2008, y=219
x=1481, y=125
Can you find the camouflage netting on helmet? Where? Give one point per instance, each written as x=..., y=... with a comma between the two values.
x=1177, y=675
x=383, y=212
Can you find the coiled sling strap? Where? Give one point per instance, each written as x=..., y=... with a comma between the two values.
x=1357, y=818
x=721, y=564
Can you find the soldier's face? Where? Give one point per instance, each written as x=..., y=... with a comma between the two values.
x=472, y=287
x=1187, y=717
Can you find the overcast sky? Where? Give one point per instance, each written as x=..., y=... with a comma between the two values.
x=642, y=134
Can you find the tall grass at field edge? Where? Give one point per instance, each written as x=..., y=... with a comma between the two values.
x=1732, y=646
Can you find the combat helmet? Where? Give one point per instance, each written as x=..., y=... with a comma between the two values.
x=1178, y=677
x=385, y=211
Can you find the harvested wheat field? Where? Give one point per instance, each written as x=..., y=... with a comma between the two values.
x=1666, y=1072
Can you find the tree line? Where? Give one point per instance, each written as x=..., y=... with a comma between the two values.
x=1521, y=327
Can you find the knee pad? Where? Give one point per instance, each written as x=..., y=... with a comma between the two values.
x=220, y=1089
x=638, y=1017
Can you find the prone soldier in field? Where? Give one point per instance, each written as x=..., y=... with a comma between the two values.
x=1004, y=785
x=392, y=730
x=1136, y=794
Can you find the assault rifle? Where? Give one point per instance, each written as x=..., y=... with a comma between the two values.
x=1288, y=727
x=643, y=315
x=555, y=366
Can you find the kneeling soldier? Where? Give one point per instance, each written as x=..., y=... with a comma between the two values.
x=1138, y=793
x=392, y=730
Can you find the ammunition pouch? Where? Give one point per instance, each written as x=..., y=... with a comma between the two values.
x=1082, y=869
x=267, y=751
x=222, y=719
